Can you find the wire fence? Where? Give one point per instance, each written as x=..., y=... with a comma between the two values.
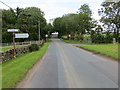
x=19, y=43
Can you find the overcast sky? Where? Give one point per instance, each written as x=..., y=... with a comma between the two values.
x=55, y=8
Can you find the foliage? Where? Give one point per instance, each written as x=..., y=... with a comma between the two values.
x=98, y=37
x=110, y=13
x=33, y=47
x=48, y=29
x=58, y=26
x=84, y=9
x=75, y=24
x=8, y=21
x=26, y=20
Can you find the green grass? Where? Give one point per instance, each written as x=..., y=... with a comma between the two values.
x=10, y=47
x=14, y=70
x=104, y=49
x=0, y=76
x=73, y=41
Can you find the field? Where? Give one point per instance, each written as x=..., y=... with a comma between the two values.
x=104, y=49
x=14, y=70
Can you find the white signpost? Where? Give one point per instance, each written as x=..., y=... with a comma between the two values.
x=13, y=30
x=19, y=35
x=22, y=35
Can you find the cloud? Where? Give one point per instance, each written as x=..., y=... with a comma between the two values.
x=54, y=8
x=52, y=11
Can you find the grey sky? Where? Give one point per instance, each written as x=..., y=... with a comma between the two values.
x=55, y=8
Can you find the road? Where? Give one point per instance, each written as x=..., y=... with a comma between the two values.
x=66, y=66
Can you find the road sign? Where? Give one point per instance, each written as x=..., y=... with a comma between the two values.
x=13, y=30
x=22, y=35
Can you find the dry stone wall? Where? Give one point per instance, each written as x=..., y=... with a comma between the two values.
x=8, y=55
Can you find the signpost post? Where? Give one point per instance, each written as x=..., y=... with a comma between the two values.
x=69, y=36
x=13, y=31
x=46, y=37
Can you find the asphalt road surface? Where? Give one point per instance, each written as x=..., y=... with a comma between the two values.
x=66, y=66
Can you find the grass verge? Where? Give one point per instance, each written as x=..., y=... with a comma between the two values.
x=14, y=70
x=73, y=41
x=104, y=49
x=0, y=76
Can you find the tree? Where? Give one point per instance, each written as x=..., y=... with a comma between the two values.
x=28, y=21
x=57, y=26
x=69, y=22
x=18, y=11
x=48, y=29
x=99, y=29
x=75, y=24
x=8, y=21
x=84, y=19
x=110, y=13
x=84, y=9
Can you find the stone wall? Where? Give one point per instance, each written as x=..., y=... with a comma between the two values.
x=8, y=55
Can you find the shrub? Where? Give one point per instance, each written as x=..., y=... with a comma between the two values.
x=100, y=38
x=33, y=47
x=79, y=37
x=108, y=38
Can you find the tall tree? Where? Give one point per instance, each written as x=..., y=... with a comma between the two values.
x=49, y=29
x=85, y=20
x=8, y=21
x=75, y=24
x=84, y=9
x=29, y=20
x=18, y=11
x=57, y=26
x=110, y=13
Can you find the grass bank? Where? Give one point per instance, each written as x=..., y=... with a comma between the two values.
x=104, y=49
x=14, y=70
x=73, y=41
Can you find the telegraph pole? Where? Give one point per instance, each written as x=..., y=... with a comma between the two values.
x=39, y=28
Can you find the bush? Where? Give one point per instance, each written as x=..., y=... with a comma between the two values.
x=33, y=47
x=100, y=38
x=79, y=37
x=108, y=38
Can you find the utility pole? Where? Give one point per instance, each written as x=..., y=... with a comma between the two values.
x=39, y=28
